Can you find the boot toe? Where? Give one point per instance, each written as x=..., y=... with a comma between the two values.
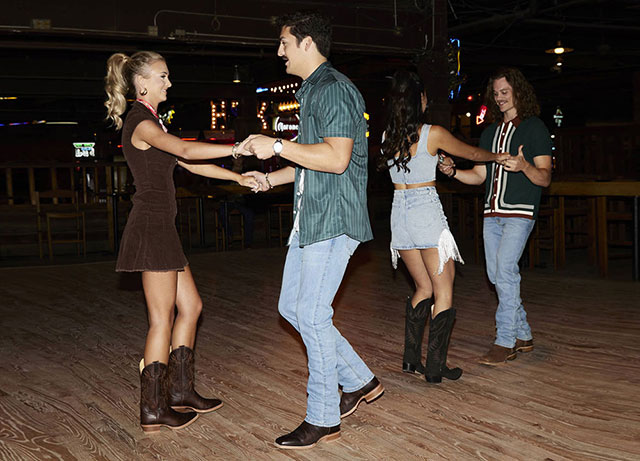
x=307, y=436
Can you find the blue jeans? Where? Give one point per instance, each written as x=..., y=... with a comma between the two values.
x=504, y=241
x=311, y=278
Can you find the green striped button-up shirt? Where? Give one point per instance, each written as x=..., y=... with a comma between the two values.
x=332, y=204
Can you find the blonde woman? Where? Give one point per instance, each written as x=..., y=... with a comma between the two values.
x=150, y=242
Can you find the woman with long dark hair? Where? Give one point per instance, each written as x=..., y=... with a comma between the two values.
x=420, y=233
x=150, y=242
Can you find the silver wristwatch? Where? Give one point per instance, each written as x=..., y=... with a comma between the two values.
x=277, y=147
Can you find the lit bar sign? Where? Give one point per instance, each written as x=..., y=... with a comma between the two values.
x=84, y=149
x=287, y=123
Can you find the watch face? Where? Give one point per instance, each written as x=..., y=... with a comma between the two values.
x=277, y=146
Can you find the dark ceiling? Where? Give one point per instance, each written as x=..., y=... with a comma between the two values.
x=56, y=71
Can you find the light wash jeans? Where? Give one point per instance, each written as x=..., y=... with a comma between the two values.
x=504, y=241
x=311, y=278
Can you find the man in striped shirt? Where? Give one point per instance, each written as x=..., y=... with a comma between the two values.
x=330, y=220
x=512, y=198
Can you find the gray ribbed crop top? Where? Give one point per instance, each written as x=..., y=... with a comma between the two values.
x=422, y=165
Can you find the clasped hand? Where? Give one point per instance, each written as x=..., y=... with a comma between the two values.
x=512, y=163
x=262, y=147
x=257, y=144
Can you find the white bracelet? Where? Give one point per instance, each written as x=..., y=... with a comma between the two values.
x=266, y=178
x=234, y=151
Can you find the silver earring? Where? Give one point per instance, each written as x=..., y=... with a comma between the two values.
x=143, y=92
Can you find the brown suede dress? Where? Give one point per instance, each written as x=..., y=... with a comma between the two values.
x=150, y=240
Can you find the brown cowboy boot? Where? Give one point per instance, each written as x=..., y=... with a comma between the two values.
x=182, y=395
x=155, y=411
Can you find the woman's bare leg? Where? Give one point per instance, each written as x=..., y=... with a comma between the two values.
x=189, y=308
x=160, y=293
x=418, y=271
x=442, y=283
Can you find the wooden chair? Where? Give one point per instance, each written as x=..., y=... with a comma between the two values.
x=17, y=226
x=62, y=205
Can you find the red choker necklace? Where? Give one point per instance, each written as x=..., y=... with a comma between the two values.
x=153, y=111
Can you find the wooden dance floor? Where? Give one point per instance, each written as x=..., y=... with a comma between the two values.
x=72, y=337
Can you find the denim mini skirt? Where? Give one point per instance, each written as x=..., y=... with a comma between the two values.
x=418, y=222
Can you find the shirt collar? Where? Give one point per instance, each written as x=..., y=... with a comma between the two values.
x=516, y=121
x=312, y=79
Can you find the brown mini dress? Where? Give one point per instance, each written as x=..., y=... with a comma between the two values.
x=150, y=241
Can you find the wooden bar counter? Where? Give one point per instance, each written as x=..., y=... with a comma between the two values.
x=599, y=191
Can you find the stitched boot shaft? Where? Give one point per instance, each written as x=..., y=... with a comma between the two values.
x=449, y=373
x=439, y=334
x=414, y=324
x=154, y=405
x=182, y=394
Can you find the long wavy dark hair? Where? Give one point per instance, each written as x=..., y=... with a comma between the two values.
x=524, y=96
x=404, y=118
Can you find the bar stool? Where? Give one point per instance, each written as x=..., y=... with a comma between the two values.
x=235, y=221
x=187, y=216
x=285, y=222
x=230, y=224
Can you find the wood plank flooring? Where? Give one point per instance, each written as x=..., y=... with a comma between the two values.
x=72, y=337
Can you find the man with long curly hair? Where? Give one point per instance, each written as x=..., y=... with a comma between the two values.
x=512, y=199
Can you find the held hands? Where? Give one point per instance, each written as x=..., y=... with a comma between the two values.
x=240, y=149
x=502, y=158
x=446, y=165
x=515, y=163
x=249, y=181
x=260, y=180
x=259, y=145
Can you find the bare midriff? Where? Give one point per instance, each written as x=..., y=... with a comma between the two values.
x=414, y=186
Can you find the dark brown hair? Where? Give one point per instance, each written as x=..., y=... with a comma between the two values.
x=404, y=118
x=309, y=24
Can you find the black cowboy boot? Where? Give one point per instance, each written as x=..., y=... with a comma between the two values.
x=155, y=411
x=414, y=323
x=182, y=395
x=439, y=335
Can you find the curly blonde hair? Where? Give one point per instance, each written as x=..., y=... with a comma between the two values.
x=524, y=96
x=119, y=81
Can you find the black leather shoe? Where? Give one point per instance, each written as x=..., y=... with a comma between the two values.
x=350, y=400
x=307, y=436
